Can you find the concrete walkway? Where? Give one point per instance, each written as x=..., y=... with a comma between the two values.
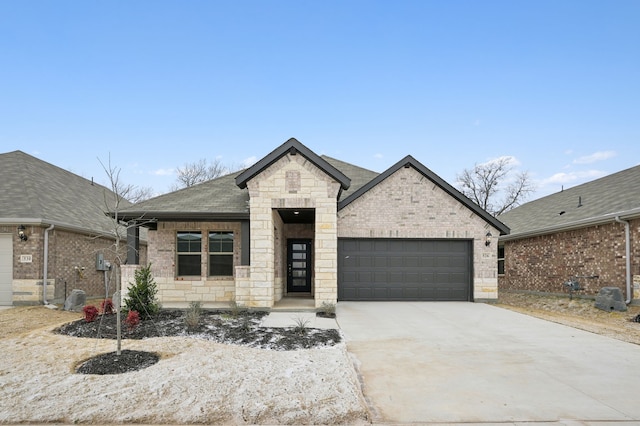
x=475, y=363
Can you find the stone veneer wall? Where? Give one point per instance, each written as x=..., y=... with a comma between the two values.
x=69, y=253
x=543, y=263
x=408, y=205
x=174, y=291
x=292, y=182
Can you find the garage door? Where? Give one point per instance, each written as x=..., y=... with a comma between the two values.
x=404, y=269
x=6, y=269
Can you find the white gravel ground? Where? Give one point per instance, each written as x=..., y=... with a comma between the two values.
x=195, y=381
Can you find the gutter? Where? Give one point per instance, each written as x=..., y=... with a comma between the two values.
x=627, y=257
x=46, y=264
x=592, y=221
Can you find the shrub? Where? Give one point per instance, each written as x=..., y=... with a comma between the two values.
x=132, y=320
x=193, y=315
x=107, y=307
x=90, y=313
x=142, y=294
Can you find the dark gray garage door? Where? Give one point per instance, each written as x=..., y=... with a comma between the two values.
x=404, y=269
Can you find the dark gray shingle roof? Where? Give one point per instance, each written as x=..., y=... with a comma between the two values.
x=593, y=202
x=221, y=198
x=34, y=191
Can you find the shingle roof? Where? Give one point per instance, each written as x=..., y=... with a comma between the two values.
x=598, y=201
x=36, y=192
x=221, y=198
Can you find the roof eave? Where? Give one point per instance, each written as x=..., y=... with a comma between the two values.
x=294, y=147
x=582, y=223
x=150, y=216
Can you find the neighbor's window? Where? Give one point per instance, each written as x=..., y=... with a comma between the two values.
x=220, y=253
x=500, y=260
x=189, y=253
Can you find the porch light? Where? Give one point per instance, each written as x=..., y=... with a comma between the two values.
x=487, y=239
x=21, y=233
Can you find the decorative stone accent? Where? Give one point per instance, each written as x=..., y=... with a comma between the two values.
x=610, y=299
x=75, y=301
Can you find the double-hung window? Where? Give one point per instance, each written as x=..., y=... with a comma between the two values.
x=500, y=260
x=189, y=253
x=220, y=253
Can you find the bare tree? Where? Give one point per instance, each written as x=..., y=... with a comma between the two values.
x=140, y=193
x=197, y=172
x=114, y=200
x=495, y=186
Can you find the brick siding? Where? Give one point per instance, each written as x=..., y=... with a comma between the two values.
x=69, y=252
x=543, y=263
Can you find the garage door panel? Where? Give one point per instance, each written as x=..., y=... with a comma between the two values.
x=404, y=269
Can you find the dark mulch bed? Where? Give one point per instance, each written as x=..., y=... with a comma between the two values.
x=220, y=326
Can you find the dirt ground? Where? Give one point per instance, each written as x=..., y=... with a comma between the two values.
x=578, y=313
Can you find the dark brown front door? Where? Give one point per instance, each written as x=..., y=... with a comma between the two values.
x=298, y=266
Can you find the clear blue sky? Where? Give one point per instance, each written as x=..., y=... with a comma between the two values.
x=157, y=84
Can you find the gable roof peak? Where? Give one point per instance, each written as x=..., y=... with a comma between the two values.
x=293, y=147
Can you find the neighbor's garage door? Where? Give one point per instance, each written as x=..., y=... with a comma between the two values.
x=404, y=269
x=6, y=269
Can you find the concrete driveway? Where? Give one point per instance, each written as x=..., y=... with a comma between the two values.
x=449, y=362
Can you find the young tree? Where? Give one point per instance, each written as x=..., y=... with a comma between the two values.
x=495, y=186
x=114, y=200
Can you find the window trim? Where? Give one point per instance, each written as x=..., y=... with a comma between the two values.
x=220, y=253
x=187, y=253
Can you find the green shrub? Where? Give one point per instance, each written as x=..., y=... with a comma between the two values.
x=142, y=294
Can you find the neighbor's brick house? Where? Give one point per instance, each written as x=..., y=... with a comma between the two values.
x=299, y=224
x=581, y=231
x=64, y=219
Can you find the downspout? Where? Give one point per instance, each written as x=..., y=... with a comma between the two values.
x=46, y=264
x=627, y=235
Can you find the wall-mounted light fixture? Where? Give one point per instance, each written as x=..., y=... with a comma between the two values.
x=21, y=233
x=487, y=239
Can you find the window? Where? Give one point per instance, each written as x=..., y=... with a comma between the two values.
x=500, y=260
x=189, y=253
x=221, y=253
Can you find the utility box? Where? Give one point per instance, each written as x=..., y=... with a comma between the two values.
x=101, y=265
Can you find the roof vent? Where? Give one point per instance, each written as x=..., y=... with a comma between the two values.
x=579, y=201
x=561, y=213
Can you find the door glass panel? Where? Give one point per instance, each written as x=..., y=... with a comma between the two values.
x=299, y=264
x=299, y=274
x=299, y=282
x=299, y=247
x=298, y=256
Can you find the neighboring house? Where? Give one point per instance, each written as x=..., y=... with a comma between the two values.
x=589, y=230
x=299, y=224
x=54, y=229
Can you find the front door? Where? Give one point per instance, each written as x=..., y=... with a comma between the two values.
x=298, y=266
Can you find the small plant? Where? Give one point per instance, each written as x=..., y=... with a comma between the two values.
x=301, y=326
x=90, y=313
x=142, y=294
x=328, y=310
x=236, y=309
x=193, y=315
x=107, y=307
x=132, y=320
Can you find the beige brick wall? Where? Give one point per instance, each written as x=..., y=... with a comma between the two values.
x=408, y=205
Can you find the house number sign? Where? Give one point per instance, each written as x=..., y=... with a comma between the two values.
x=26, y=258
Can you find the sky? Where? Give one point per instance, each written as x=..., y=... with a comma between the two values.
x=153, y=85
